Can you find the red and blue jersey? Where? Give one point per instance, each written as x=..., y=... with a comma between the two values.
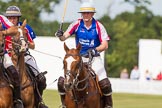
x=88, y=37
x=7, y=24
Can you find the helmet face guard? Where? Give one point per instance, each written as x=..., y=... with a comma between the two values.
x=13, y=11
x=87, y=7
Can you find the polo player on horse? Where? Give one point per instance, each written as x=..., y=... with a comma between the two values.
x=8, y=64
x=93, y=37
x=13, y=14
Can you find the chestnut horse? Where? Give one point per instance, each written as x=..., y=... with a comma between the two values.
x=80, y=85
x=6, y=95
x=27, y=86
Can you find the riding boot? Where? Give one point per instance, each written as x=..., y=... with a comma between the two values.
x=14, y=75
x=105, y=87
x=61, y=90
x=41, y=81
x=17, y=95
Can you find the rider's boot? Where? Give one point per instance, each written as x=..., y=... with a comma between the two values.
x=107, y=92
x=41, y=81
x=61, y=90
x=14, y=75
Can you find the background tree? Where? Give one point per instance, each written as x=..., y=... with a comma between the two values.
x=125, y=31
x=31, y=10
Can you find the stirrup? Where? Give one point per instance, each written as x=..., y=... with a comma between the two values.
x=108, y=107
x=62, y=106
x=18, y=103
x=42, y=105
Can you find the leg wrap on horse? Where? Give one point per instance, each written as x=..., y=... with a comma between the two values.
x=61, y=90
x=107, y=92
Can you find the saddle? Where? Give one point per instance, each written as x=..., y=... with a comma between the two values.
x=94, y=75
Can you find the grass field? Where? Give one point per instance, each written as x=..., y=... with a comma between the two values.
x=121, y=100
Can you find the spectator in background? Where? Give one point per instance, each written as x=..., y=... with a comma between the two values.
x=124, y=74
x=159, y=76
x=148, y=75
x=135, y=74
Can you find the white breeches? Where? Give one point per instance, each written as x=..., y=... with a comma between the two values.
x=7, y=61
x=29, y=60
x=98, y=67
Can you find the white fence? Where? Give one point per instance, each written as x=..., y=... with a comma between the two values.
x=47, y=50
x=136, y=86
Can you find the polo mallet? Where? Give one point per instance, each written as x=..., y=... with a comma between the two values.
x=62, y=21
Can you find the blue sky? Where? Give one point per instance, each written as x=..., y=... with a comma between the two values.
x=108, y=7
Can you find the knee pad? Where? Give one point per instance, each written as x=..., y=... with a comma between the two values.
x=41, y=79
x=105, y=86
x=60, y=85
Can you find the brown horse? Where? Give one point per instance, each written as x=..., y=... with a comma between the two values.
x=27, y=91
x=81, y=88
x=6, y=95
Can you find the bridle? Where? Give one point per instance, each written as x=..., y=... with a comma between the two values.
x=78, y=70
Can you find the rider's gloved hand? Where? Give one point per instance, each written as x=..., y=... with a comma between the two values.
x=92, y=52
x=59, y=33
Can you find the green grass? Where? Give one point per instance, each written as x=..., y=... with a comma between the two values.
x=121, y=100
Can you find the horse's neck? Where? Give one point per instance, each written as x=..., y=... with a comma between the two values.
x=83, y=73
x=83, y=76
x=21, y=65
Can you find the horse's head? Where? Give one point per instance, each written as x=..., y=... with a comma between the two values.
x=20, y=39
x=72, y=64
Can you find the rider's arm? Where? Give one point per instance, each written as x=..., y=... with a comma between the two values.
x=65, y=36
x=30, y=37
x=31, y=45
x=104, y=38
x=103, y=46
x=70, y=31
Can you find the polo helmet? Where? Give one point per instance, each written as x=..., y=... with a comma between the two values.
x=13, y=11
x=87, y=7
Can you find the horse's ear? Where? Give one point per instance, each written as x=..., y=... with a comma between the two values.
x=79, y=46
x=24, y=23
x=65, y=47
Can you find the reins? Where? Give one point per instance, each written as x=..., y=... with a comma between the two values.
x=80, y=81
x=36, y=50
